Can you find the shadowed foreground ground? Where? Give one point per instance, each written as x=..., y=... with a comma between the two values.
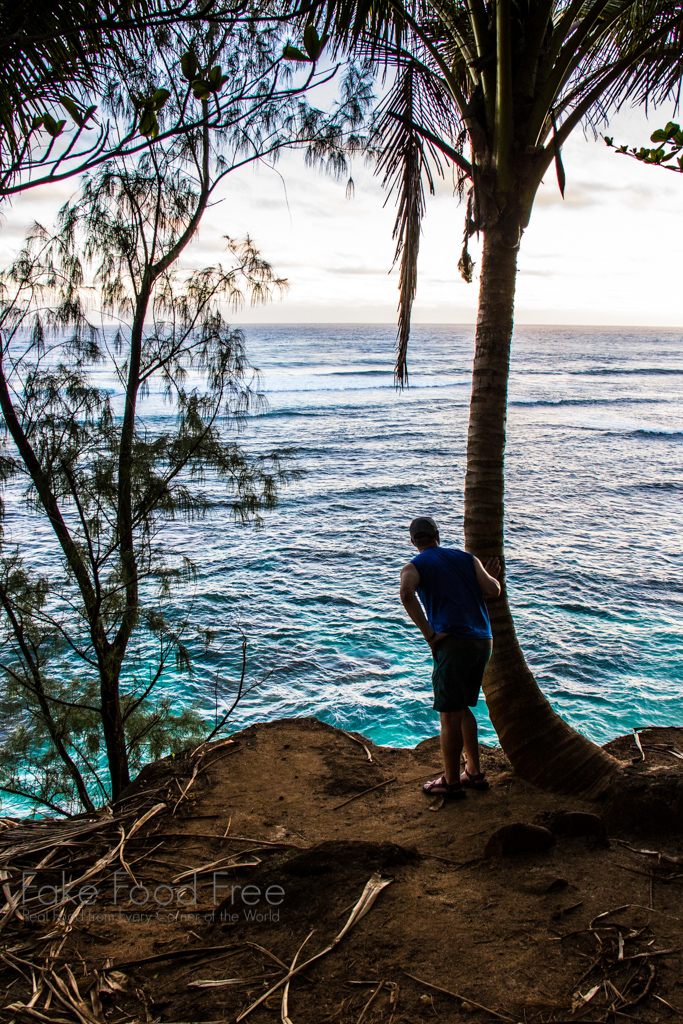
x=589, y=922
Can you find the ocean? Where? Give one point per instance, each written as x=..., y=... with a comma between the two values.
x=594, y=527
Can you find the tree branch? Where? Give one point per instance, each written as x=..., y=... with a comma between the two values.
x=39, y=692
x=46, y=496
x=447, y=150
x=35, y=799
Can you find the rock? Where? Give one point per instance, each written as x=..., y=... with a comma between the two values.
x=541, y=880
x=648, y=802
x=557, y=884
x=518, y=838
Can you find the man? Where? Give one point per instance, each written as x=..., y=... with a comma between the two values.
x=452, y=586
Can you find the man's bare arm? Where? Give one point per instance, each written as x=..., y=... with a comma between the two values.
x=410, y=581
x=487, y=577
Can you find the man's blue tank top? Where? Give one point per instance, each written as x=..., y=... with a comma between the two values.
x=450, y=593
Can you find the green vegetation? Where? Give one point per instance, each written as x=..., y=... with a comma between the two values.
x=86, y=641
x=667, y=153
x=82, y=83
x=107, y=482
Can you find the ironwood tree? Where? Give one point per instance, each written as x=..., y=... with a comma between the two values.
x=89, y=633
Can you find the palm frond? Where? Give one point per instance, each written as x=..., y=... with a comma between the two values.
x=412, y=120
x=50, y=49
x=658, y=74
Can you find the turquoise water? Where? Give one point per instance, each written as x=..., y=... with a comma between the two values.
x=594, y=526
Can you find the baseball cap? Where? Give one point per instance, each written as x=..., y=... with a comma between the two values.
x=423, y=526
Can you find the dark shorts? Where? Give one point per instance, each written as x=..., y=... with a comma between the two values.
x=458, y=671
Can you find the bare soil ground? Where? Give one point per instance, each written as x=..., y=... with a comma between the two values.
x=286, y=829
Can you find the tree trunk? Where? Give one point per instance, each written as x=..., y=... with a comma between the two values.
x=114, y=732
x=540, y=745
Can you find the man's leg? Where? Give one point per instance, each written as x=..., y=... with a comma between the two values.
x=471, y=743
x=452, y=742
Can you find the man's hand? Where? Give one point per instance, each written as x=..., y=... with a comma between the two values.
x=493, y=567
x=487, y=577
x=435, y=639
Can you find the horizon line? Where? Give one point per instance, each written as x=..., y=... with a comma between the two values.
x=448, y=323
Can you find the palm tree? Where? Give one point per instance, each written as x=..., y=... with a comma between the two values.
x=49, y=50
x=513, y=78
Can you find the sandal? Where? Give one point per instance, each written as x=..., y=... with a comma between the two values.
x=474, y=781
x=439, y=787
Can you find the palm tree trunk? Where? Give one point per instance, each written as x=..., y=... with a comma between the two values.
x=540, y=745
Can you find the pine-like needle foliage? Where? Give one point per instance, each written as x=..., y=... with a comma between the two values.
x=87, y=639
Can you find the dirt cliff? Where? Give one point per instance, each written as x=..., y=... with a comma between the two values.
x=192, y=901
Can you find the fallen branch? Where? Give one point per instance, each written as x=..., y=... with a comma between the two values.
x=578, y=1000
x=379, y=785
x=184, y=792
x=10, y=907
x=447, y=860
x=217, y=759
x=656, y=952
x=264, y=842
x=678, y=861
x=463, y=999
x=566, y=910
x=360, y=744
x=262, y=949
x=418, y=778
x=659, y=998
x=27, y=1011
x=606, y=913
x=172, y=954
x=367, y=1006
x=226, y=862
x=224, y=982
x=634, y=871
x=370, y=893
x=655, y=910
x=179, y=835
x=646, y=991
x=216, y=746
x=284, y=1009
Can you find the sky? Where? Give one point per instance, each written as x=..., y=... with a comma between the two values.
x=611, y=252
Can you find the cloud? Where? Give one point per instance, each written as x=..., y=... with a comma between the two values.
x=584, y=193
x=576, y=197
x=601, y=255
x=362, y=271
